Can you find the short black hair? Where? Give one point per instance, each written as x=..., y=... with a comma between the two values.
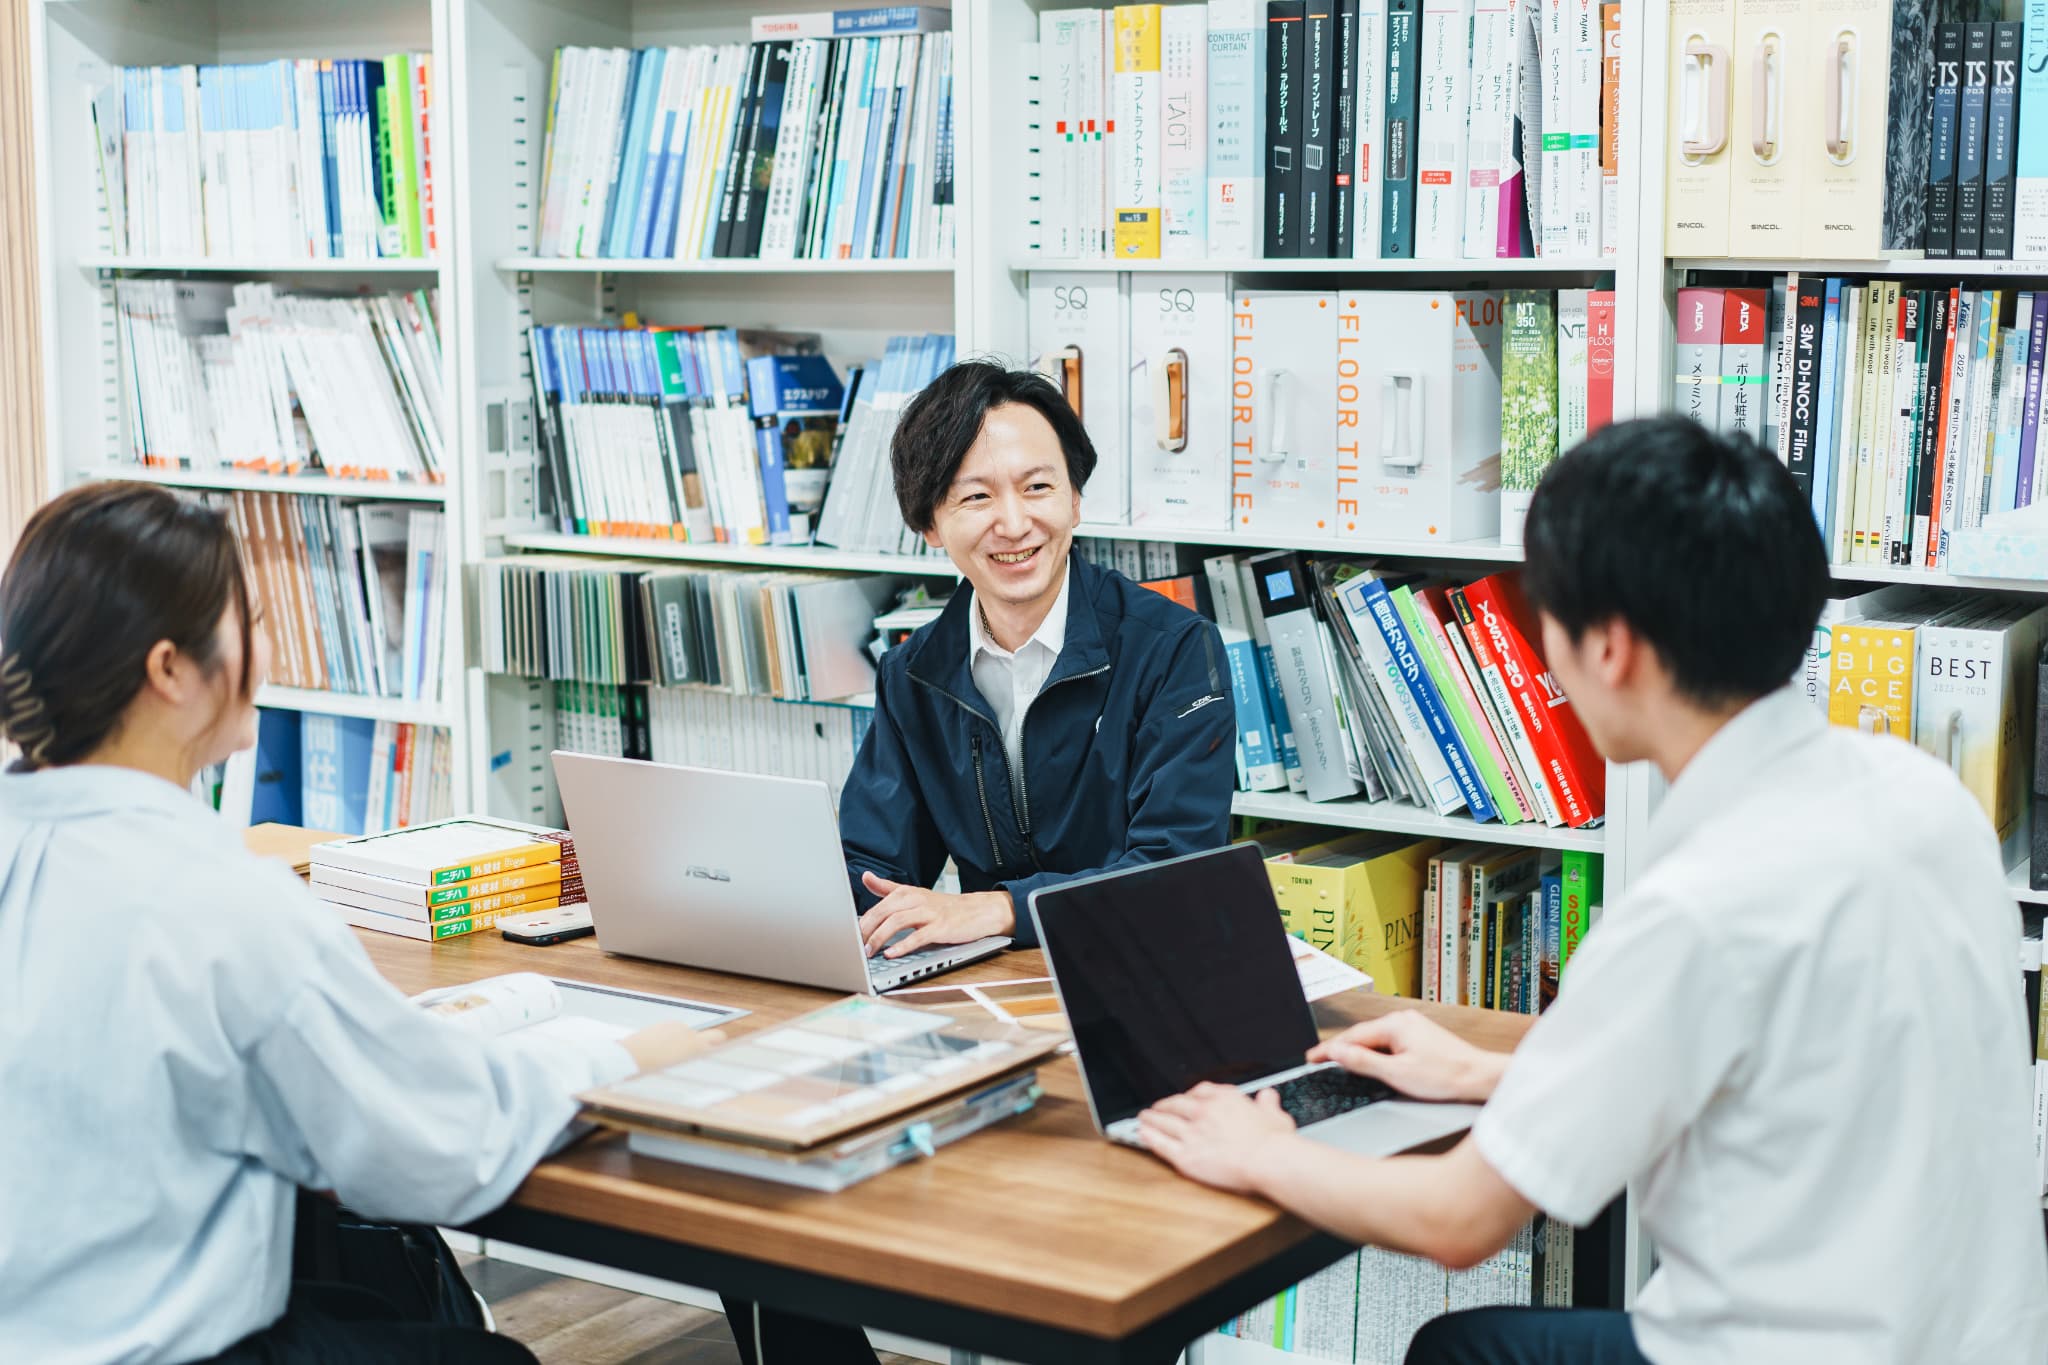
x=945, y=419
x=1702, y=543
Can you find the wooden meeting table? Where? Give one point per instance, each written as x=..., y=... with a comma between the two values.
x=1034, y=1240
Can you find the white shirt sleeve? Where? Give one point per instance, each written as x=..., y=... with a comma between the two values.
x=1645, y=1029
x=403, y=1115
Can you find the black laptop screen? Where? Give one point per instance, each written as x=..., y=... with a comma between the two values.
x=1174, y=973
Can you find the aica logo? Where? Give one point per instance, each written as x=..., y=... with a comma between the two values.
x=707, y=874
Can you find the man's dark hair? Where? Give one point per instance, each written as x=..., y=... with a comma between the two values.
x=943, y=421
x=1703, y=544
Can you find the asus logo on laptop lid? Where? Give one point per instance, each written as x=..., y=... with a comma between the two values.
x=707, y=874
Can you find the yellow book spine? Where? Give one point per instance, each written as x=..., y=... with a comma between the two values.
x=468, y=924
x=476, y=888
x=1872, y=681
x=1384, y=911
x=512, y=902
x=1138, y=139
x=1311, y=903
x=524, y=855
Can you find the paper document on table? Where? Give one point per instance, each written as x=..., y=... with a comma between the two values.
x=1323, y=975
x=578, y=1010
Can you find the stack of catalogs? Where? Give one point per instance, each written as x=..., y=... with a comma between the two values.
x=446, y=879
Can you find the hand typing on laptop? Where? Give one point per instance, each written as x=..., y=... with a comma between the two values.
x=932, y=917
x=1217, y=1134
x=1416, y=1056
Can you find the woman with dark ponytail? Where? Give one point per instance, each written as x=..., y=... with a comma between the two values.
x=187, y=1037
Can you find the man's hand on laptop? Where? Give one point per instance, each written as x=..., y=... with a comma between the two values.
x=932, y=917
x=1217, y=1134
x=1416, y=1056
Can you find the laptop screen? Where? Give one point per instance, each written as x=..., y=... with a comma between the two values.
x=1174, y=973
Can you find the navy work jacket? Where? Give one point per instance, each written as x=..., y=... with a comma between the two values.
x=1128, y=752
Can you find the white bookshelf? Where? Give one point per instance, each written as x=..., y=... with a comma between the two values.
x=1902, y=267
x=245, y=481
x=1482, y=268
x=492, y=60
x=812, y=557
x=1489, y=551
x=2019, y=882
x=73, y=45
x=260, y=265
x=1931, y=578
x=633, y=265
x=1646, y=140
x=1395, y=818
x=396, y=709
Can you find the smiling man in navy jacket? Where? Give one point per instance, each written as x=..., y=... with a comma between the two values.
x=1057, y=720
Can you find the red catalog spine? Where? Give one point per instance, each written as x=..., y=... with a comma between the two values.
x=1575, y=768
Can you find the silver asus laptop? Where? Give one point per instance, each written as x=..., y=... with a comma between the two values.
x=1178, y=972
x=728, y=871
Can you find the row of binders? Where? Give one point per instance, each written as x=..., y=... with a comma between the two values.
x=1500, y=926
x=795, y=636
x=295, y=159
x=1954, y=675
x=217, y=375
x=1907, y=412
x=355, y=593
x=1369, y=1306
x=1353, y=681
x=351, y=774
x=699, y=728
x=1289, y=414
x=1361, y=129
x=1473, y=924
x=1926, y=132
x=829, y=137
x=712, y=434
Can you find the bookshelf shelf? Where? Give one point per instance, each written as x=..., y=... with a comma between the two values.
x=1394, y=818
x=305, y=265
x=320, y=485
x=1928, y=578
x=1319, y=266
x=1949, y=268
x=2017, y=882
x=1468, y=551
x=397, y=709
x=626, y=265
x=766, y=556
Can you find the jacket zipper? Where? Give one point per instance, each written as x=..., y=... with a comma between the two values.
x=1023, y=785
x=1023, y=780
x=981, y=789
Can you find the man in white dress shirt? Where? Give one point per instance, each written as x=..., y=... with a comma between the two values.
x=1799, y=1036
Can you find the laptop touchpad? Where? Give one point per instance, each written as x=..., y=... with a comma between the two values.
x=1392, y=1126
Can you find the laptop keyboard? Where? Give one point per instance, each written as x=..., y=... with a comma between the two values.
x=1327, y=1093
x=883, y=968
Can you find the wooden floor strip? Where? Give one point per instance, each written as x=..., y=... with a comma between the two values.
x=566, y=1321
